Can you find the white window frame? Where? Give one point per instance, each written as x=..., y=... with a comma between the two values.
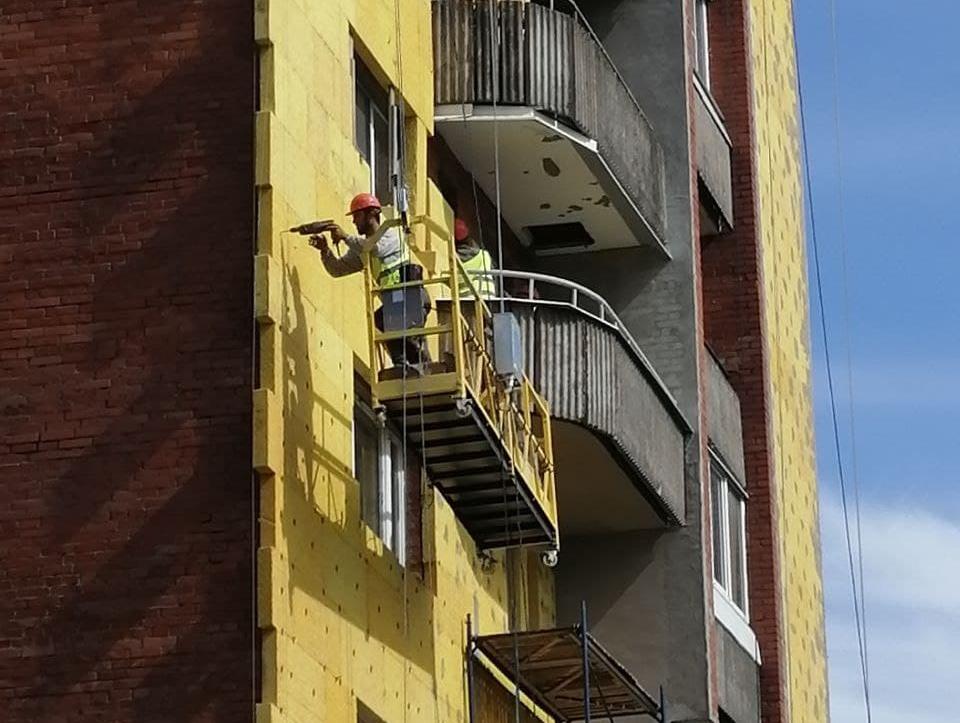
x=393, y=120
x=391, y=483
x=729, y=482
x=702, y=35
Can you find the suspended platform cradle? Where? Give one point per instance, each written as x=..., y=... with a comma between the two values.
x=485, y=439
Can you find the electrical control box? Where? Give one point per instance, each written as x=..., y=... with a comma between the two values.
x=507, y=345
x=403, y=308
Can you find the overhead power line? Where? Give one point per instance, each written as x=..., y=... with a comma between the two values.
x=853, y=567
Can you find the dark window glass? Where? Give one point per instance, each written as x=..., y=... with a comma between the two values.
x=717, y=499
x=366, y=465
x=737, y=586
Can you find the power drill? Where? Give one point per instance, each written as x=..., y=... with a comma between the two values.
x=314, y=227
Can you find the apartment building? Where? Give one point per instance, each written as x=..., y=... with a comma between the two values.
x=597, y=498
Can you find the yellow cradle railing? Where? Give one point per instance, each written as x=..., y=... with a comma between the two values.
x=485, y=440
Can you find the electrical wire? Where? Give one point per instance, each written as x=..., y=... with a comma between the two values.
x=834, y=24
x=830, y=385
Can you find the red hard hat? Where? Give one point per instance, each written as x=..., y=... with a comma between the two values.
x=460, y=230
x=363, y=201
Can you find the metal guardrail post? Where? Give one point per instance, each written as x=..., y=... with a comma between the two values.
x=471, y=685
x=456, y=319
x=586, y=661
x=369, y=294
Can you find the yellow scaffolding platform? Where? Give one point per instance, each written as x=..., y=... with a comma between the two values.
x=485, y=441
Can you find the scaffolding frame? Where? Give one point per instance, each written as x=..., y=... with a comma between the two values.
x=626, y=696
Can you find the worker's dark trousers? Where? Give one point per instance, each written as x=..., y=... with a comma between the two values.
x=410, y=351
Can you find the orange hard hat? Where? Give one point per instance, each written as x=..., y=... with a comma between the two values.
x=363, y=201
x=460, y=230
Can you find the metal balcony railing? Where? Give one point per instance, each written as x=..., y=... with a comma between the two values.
x=546, y=56
x=486, y=443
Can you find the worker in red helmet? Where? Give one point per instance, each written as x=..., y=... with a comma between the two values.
x=476, y=261
x=390, y=265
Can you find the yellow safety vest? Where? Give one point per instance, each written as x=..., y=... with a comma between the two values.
x=480, y=261
x=386, y=269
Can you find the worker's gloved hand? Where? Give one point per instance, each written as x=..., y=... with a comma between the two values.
x=319, y=242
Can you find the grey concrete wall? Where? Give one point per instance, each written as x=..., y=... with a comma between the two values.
x=723, y=415
x=646, y=591
x=713, y=159
x=738, y=681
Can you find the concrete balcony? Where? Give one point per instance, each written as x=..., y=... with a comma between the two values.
x=713, y=154
x=723, y=418
x=618, y=435
x=579, y=167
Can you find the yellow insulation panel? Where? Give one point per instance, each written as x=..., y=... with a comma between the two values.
x=342, y=622
x=787, y=325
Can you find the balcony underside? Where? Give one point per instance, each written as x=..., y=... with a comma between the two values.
x=549, y=175
x=598, y=491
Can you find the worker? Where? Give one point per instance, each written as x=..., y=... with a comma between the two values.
x=475, y=259
x=390, y=264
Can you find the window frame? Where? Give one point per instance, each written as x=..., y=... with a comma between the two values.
x=701, y=30
x=729, y=487
x=391, y=502
x=384, y=106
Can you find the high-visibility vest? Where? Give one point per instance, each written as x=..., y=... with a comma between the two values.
x=386, y=269
x=480, y=261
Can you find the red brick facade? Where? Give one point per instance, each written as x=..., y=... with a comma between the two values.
x=733, y=308
x=126, y=503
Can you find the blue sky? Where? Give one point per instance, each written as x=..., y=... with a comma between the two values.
x=899, y=91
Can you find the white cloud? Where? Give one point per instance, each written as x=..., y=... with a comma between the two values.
x=912, y=573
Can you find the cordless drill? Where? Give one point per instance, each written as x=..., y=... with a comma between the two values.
x=314, y=227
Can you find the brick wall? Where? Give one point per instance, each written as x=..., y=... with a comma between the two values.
x=125, y=360
x=733, y=314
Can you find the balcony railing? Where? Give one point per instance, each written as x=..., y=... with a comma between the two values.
x=586, y=362
x=519, y=53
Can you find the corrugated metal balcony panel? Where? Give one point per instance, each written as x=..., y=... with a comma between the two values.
x=586, y=61
x=590, y=378
x=627, y=144
x=512, y=63
x=454, y=80
x=549, y=59
x=482, y=25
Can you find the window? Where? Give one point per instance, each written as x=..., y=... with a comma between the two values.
x=728, y=514
x=702, y=33
x=378, y=465
x=379, y=133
